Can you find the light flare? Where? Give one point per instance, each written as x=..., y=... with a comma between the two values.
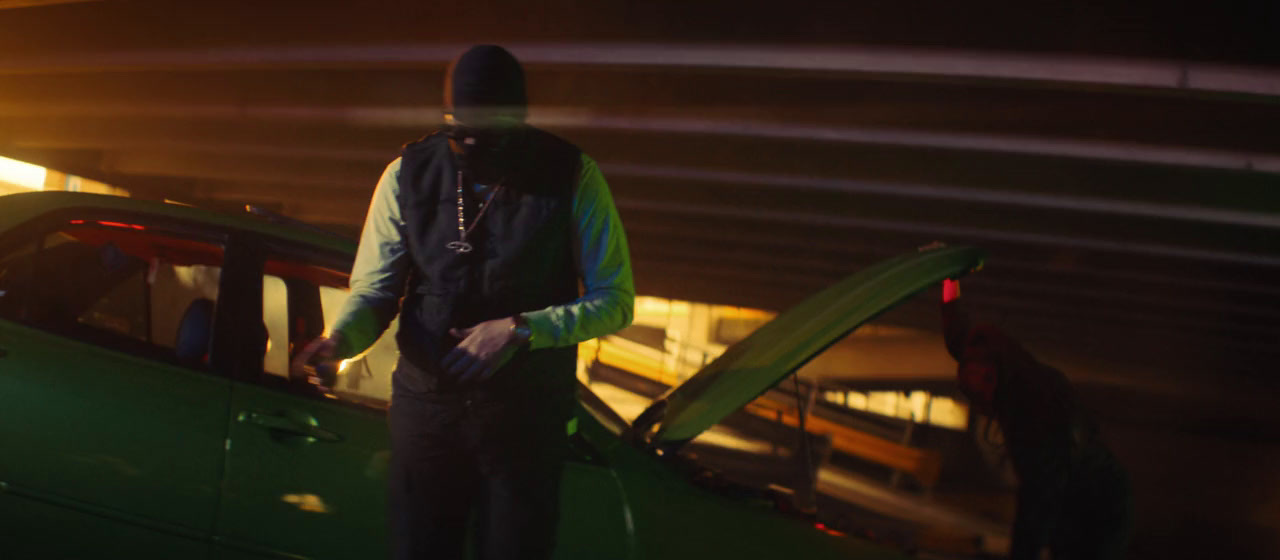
x=22, y=173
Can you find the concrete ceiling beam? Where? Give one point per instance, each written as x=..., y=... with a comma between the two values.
x=928, y=232
x=1246, y=213
x=424, y=118
x=896, y=63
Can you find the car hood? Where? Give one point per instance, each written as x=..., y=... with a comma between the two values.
x=758, y=362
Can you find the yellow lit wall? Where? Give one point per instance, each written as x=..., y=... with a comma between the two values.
x=19, y=176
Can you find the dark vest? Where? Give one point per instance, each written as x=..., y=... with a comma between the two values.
x=522, y=261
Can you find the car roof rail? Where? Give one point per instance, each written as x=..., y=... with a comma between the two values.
x=278, y=218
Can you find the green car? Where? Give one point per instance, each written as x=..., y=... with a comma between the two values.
x=145, y=411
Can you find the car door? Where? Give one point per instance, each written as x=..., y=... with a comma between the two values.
x=306, y=465
x=112, y=421
x=306, y=468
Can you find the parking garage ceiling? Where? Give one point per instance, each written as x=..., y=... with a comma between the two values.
x=1119, y=161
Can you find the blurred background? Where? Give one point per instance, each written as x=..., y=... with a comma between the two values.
x=1120, y=161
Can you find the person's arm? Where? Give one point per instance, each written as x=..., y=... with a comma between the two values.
x=955, y=321
x=379, y=273
x=604, y=261
x=377, y=278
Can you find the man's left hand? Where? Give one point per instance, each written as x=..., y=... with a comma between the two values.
x=484, y=348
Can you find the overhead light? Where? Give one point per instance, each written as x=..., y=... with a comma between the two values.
x=22, y=173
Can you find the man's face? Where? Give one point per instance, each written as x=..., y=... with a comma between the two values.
x=483, y=145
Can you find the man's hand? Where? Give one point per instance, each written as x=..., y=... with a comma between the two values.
x=318, y=353
x=484, y=348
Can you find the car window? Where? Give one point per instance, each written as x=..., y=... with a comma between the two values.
x=16, y=271
x=275, y=316
x=303, y=300
x=119, y=285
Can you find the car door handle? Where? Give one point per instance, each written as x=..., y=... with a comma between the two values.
x=280, y=424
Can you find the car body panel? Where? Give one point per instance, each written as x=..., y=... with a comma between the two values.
x=78, y=429
x=595, y=514
x=50, y=528
x=678, y=520
x=778, y=348
x=294, y=494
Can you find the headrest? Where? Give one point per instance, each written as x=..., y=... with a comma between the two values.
x=195, y=331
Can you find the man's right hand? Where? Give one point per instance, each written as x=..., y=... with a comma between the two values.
x=318, y=353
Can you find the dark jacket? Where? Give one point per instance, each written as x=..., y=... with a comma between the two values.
x=522, y=260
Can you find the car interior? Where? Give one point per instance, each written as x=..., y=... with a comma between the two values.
x=118, y=285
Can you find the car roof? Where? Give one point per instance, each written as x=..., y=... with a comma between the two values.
x=18, y=208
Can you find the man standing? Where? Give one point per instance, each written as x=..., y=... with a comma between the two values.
x=486, y=229
x=1073, y=496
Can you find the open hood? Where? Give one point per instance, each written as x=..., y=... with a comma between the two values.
x=753, y=365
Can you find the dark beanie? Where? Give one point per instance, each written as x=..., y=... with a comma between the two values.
x=485, y=77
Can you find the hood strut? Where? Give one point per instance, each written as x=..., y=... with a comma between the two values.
x=806, y=500
x=642, y=427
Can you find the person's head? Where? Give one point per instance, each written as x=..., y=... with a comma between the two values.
x=979, y=371
x=484, y=109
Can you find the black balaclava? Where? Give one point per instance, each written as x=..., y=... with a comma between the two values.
x=485, y=80
x=484, y=91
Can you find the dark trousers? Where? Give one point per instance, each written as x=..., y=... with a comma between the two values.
x=491, y=464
